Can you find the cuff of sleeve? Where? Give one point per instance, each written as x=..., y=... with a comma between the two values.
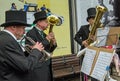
x=36, y=52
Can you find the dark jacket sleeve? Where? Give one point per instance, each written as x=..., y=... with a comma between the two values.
x=15, y=58
x=78, y=36
x=82, y=35
x=53, y=47
x=34, y=34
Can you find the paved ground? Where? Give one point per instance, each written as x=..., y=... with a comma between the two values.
x=114, y=75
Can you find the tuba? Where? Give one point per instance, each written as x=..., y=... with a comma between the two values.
x=27, y=48
x=100, y=11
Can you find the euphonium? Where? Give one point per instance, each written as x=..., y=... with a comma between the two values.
x=54, y=20
x=95, y=25
x=27, y=48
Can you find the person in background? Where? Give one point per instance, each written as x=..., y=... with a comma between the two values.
x=104, y=18
x=14, y=65
x=116, y=61
x=82, y=35
x=43, y=71
x=115, y=22
x=43, y=8
x=13, y=6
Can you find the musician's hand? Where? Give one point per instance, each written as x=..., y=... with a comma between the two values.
x=50, y=36
x=54, y=41
x=38, y=46
x=92, y=37
x=84, y=43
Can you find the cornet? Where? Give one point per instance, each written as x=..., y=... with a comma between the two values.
x=27, y=48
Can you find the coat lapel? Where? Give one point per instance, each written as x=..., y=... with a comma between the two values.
x=87, y=31
x=39, y=37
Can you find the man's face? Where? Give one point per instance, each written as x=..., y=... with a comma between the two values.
x=91, y=21
x=43, y=24
x=19, y=31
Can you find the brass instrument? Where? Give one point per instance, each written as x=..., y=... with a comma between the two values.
x=54, y=20
x=95, y=25
x=27, y=48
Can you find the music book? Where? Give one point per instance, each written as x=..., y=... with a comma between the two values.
x=95, y=62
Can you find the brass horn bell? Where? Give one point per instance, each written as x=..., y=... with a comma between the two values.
x=55, y=20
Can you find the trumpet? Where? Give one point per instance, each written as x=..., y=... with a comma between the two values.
x=27, y=48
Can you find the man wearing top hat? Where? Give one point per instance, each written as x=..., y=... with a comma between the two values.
x=82, y=35
x=14, y=66
x=84, y=30
x=43, y=71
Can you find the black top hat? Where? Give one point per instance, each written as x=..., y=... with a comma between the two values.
x=39, y=16
x=14, y=18
x=91, y=13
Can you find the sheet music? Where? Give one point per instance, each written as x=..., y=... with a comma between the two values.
x=102, y=36
x=88, y=60
x=104, y=60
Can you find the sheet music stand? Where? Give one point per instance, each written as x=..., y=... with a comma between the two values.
x=110, y=38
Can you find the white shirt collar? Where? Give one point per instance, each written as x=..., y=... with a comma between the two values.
x=10, y=34
x=38, y=28
x=90, y=28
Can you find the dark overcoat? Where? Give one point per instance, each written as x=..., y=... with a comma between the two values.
x=82, y=35
x=43, y=70
x=14, y=66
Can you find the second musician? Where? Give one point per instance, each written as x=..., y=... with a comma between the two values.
x=82, y=35
x=43, y=71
